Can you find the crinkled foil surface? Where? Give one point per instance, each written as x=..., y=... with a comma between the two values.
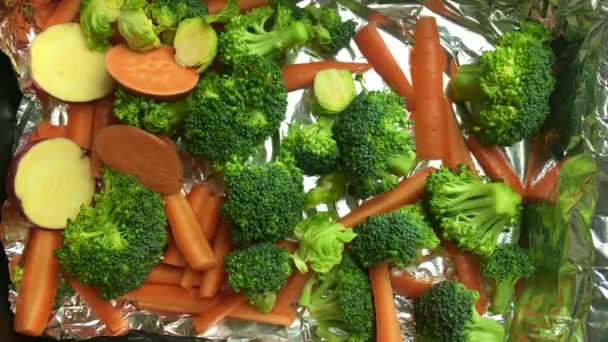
x=467, y=28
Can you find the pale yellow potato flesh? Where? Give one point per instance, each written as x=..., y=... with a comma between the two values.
x=64, y=66
x=53, y=179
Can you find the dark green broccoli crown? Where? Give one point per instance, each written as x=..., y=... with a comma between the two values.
x=285, y=12
x=155, y=116
x=258, y=272
x=471, y=210
x=253, y=33
x=264, y=203
x=313, y=148
x=114, y=245
x=508, y=263
x=166, y=14
x=231, y=114
x=416, y=216
x=329, y=32
x=389, y=237
x=446, y=313
x=374, y=142
x=330, y=188
x=342, y=299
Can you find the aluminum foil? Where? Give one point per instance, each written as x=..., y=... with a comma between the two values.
x=467, y=28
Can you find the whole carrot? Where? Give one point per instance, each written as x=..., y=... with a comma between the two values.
x=387, y=324
x=39, y=283
x=300, y=76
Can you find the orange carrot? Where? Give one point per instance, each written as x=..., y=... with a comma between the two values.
x=187, y=233
x=65, y=12
x=289, y=295
x=458, y=153
x=300, y=76
x=190, y=277
x=39, y=282
x=387, y=325
x=468, y=272
x=430, y=129
x=165, y=274
x=42, y=13
x=153, y=73
x=168, y=299
x=172, y=254
x=80, y=124
x=290, y=245
x=409, y=286
x=207, y=207
x=377, y=53
x=212, y=278
x=247, y=313
x=546, y=188
x=215, y=6
x=46, y=130
x=407, y=191
x=102, y=118
x=217, y=312
x=104, y=310
x=495, y=164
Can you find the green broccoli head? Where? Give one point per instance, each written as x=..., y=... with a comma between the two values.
x=16, y=275
x=263, y=203
x=391, y=237
x=329, y=189
x=166, y=14
x=328, y=32
x=375, y=144
x=231, y=114
x=321, y=243
x=446, y=313
x=115, y=244
x=155, y=116
x=504, y=268
x=510, y=87
x=312, y=147
x=285, y=12
x=248, y=34
x=471, y=210
x=341, y=300
x=258, y=272
x=97, y=16
x=427, y=239
x=135, y=27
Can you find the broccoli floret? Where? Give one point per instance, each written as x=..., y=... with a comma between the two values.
x=16, y=275
x=263, y=203
x=252, y=33
x=391, y=237
x=155, y=116
x=312, y=147
x=258, y=272
x=321, y=243
x=167, y=14
x=286, y=12
x=342, y=300
x=509, y=87
x=330, y=188
x=231, y=114
x=446, y=313
x=471, y=210
x=115, y=244
x=97, y=16
x=328, y=32
x=427, y=239
x=375, y=144
x=504, y=268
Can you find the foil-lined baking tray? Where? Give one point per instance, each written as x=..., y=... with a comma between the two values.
x=467, y=28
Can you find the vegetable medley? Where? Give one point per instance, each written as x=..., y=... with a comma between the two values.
x=110, y=220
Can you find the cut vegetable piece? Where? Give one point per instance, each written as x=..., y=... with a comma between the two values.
x=195, y=44
x=299, y=76
x=64, y=66
x=168, y=299
x=46, y=130
x=80, y=124
x=165, y=274
x=51, y=180
x=153, y=73
x=334, y=89
x=66, y=11
x=138, y=153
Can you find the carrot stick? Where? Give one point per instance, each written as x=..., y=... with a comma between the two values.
x=217, y=312
x=300, y=76
x=546, y=188
x=468, y=272
x=207, y=207
x=387, y=325
x=165, y=274
x=407, y=191
x=377, y=53
x=430, y=129
x=39, y=282
x=215, y=6
x=495, y=164
x=102, y=118
x=46, y=130
x=187, y=233
x=43, y=12
x=105, y=311
x=80, y=124
x=190, y=277
x=247, y=313
x=409, y=286
x=290, y=245
x=168, y=299
x=289, y=295
x=65, y=12
x=172, y=254
x=213, y=277
x=458, y=153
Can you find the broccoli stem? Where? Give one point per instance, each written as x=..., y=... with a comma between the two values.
x=267, y=43
x=329, y=189
x=402, y=165
x=264, y=302
x=465, y=86
x=502, y=295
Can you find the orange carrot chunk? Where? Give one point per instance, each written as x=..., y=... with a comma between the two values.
x=190, y=277
x=46, y=130
x=546, y=188
x=168, y=299
x=39, y=282
x=213, y=277
x=387, y=325
x=102, y=118
x=207, y=207
x=300, y=76
x=66, y=12
x=409, y=286
x=468, y=272
x=172, y=254
x=80, y=124
x=247, y=313
x=289, y=295
x=165, y=274
x=217, y=312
